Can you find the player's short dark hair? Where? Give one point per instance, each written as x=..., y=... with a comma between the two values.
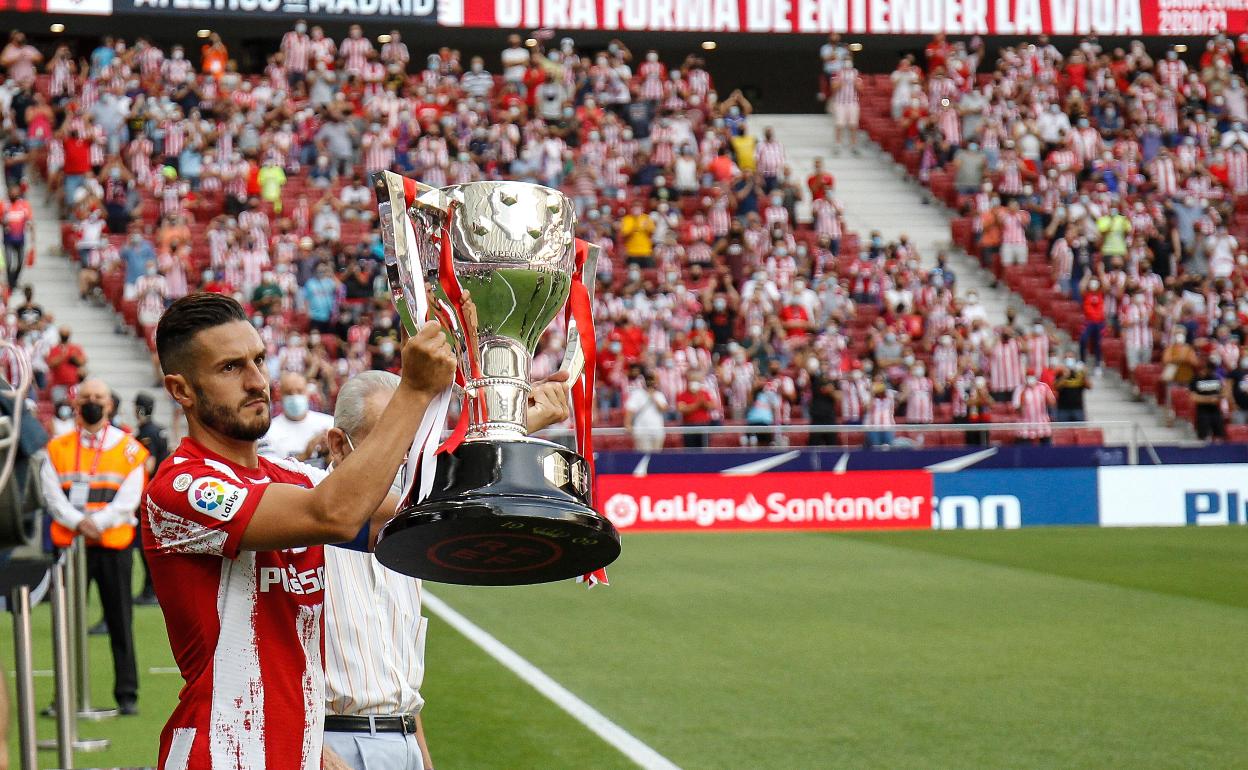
x=187, y=317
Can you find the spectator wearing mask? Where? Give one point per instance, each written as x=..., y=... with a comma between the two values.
x=322, y=294
x=694, y=404
x=643, y=415
x=1033, y=399
x=16, y=218
x=1093, y=318
x=298, y=431
x=879, y=414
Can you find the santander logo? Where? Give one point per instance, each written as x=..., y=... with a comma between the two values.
x=627, y=510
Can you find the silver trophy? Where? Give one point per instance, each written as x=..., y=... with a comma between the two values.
x=506, y=508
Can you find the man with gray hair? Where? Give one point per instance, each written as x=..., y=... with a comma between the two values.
x=374, y=633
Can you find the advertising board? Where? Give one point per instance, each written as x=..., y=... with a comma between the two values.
x=1174, y=495
x=1012, y=499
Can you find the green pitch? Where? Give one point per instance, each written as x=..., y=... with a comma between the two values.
x=1036, y=648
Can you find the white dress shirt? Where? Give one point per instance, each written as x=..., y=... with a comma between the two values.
x=123, y=505
x=374, y=635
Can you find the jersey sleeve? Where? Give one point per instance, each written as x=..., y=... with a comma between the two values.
x=197, y=509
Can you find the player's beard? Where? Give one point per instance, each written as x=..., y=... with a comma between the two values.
x=228, y=420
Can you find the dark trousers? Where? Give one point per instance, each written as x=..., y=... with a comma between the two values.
x=111, y=571
x=1090, y=340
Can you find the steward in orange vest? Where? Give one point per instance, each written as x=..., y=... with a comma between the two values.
x=91, y=471
x=92, y=485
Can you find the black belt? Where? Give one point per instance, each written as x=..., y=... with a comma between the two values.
x=399, y=723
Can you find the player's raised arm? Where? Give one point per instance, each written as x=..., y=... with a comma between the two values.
x=342, y=505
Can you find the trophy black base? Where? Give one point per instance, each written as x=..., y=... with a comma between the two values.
x=501, y=513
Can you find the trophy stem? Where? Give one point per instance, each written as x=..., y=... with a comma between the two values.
x=498, y=408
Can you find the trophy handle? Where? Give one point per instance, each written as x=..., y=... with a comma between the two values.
x=574, y=352
x=395, y=196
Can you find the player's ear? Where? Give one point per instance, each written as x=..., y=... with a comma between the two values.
x=179, y=390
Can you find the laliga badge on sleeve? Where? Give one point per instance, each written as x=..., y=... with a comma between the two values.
x=216, y=498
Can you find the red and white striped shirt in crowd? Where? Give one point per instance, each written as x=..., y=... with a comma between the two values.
x=378, y=152
x=944, y=364
x=1037, y=345
x=615, y=172
x=881, y=410
x=297, y=49
x=1086, y=142
x=1164, y=175
x=1187, y=156
x=255, y=223
x=255, y=261
x=671, y=382
x=827, y=216
x=292, y=358
x=232, y=269
x=1171, y=73
x=769, y=158
x=176, y=71
x=1011, y=181
x=322, y=49
x=1237, y=170
x=845, y=86
x=62, y=81
x=1005, y=366
x=698, y=230
x=1168, y=115
x=919, y=409
x=776, y=215
x=1064, y=159
x=99, y=145
x=1063, y=258
x=941, y=88
x=854, y=395
x=699, y=82
x=1033, y=402
x=175, y=137
x=719, y=219
x=1229, y=351
x=173, y=268
x=1013, y=224
x=151, y=291
x=738, y=380
x=355, y=51
x=1137, y=333
x=949, y=122
x=651, y=89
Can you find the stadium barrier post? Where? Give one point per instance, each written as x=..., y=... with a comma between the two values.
x=19, y=605
x=80, y=623
x=66, y=725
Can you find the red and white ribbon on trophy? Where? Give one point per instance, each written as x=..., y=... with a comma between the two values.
x=580, y=309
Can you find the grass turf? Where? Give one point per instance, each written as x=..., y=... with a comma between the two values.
x=1032, y=648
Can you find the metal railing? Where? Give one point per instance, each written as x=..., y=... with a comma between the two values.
x=1114, y=433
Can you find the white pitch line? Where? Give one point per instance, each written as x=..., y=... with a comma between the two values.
x=600, y=725
x=164, y=670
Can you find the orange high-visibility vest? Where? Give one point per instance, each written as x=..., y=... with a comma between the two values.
x=104, y=471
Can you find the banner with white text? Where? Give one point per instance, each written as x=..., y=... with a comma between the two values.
x=409, y=11
x=802, y=501
x=866, y=17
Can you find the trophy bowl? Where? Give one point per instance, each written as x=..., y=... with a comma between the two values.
x=505, y=508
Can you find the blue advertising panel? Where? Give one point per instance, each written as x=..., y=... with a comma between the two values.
x=1012, y=499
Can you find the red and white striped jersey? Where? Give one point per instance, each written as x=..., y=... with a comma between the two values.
x=152, y=290
x=1237, y=170
x=854, y=396
x=1033, y=402
x=1013, y=224
x=845, y=86
x=881, y=409
x=378, y=152
x=1005, y=366
x=1164, y=175
x=827, y=216
x=1011, y=181
x=355, y=51
x=176, y=71
x=322, y=50
x=919, y=409
x=944, y=364
x=1171, y=73
x=769, y=158
x=244, y=626
x=776, y=215
x=949, y=122
x=1037, y=352
x=1062, y=257
x=1136, y=331
x=297, y=49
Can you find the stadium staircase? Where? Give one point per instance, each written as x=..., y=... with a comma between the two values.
x=878, y=193
x=114, y=354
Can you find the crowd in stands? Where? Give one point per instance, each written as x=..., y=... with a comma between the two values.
x=714, y=305
x=1109, y=188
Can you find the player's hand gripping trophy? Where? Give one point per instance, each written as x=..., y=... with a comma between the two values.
x=497, y=261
